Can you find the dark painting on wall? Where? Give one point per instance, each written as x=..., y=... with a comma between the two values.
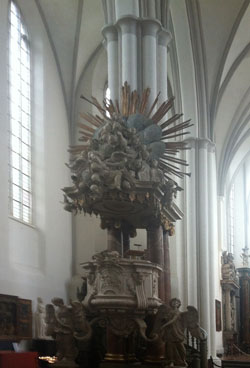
x=218, y=315
x=24, y=326
x=15, y=318
x=8, y=317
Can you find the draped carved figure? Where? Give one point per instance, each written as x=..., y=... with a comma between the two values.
x=40, y=324
x=171, y=324
x=66, y=324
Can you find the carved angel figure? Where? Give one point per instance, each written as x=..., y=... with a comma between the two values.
x=65, y=324
x=171, y=324
x=228, y=268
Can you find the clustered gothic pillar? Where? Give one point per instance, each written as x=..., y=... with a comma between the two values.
x=201, y=234
x=110, y=33
x=136, y=40
x=156, y=253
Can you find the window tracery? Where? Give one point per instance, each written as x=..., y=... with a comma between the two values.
x=20, y=195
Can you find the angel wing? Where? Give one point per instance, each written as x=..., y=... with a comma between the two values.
x=161, y=318
x=190, y=320
x=82, y=328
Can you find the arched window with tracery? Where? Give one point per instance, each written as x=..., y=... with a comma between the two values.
x=20, y=194
x=231, y=219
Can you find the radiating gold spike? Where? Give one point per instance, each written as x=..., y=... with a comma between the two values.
x=163, y=109
x=168, y=178
x=85, y=134
x=145, y=101
x=174, y=136
x=98, y=105
x=117, y=106
x=86, y=127
x=83, y=139
x=176, y=128
x=99, y=119
x=176, y=160
x=153, y=105
x=170, y=121
x=133, y=103
x=171, y=165
x=123, y=100
x=171, y=151
x=90, y=118
x=159, y=112
x=170, y=170
x=94, y=102
x=182, y=125
x=81, y=147
x=113, y=107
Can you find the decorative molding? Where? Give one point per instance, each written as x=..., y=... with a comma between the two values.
x=199, y=58
x=201, y=143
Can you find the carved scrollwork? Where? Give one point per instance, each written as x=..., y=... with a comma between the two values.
x=122, y=326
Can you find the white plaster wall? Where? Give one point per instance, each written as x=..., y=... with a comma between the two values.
x=36, y=260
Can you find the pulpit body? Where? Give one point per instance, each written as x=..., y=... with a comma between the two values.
x=123, y=174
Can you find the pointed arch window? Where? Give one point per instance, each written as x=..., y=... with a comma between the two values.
x=107, y=96
x=231, y=219
x=20, y=195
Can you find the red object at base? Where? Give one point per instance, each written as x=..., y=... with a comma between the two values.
x=10, y=359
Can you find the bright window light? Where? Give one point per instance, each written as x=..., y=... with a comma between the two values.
x=20, y=197
x=231, y=219
x=107, y=96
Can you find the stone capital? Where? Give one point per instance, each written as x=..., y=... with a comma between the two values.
x=128, y=24
x=110, y=33
x=201, y=143
x=164, y=37
x=150, y=26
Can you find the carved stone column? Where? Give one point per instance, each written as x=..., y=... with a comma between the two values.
x=125, y=242
x=244, y=278
x=156, y=350
x=166, y=267
x=111, y=35
x=150, y=29
x=156, y=253
x=129, y=47
x=114, y=239
x=164, y=38
x=115, y=347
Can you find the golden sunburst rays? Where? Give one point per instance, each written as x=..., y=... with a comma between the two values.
x=132, y=103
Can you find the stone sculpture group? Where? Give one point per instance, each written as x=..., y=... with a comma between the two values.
x=69, y=324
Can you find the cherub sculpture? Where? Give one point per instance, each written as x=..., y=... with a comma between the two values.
x=170, y=324
x=66, y=324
